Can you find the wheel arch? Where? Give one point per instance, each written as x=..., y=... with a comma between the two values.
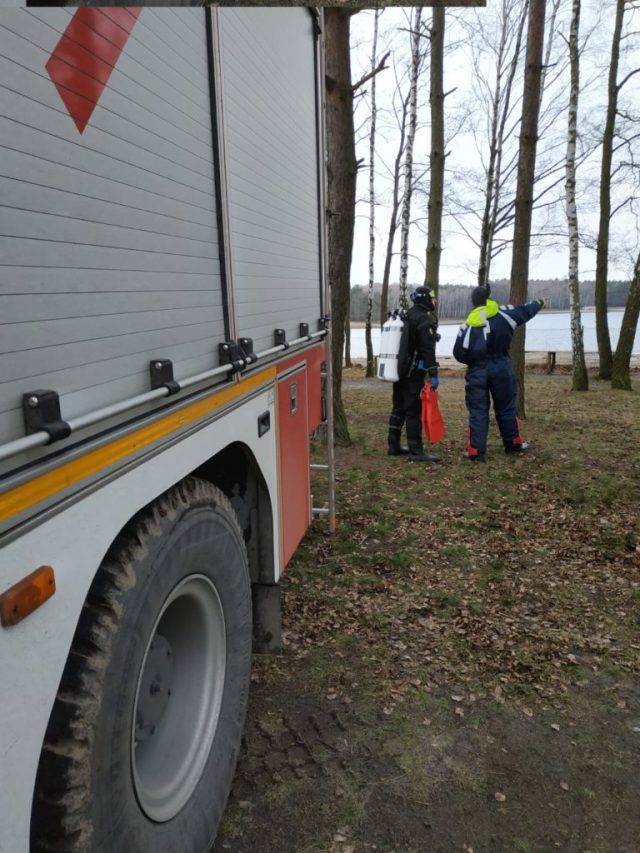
x=236, y=472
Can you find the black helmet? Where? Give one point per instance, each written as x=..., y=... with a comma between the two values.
x=424, y=296
x=479, y=296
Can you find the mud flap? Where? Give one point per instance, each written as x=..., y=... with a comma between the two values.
x=267, y=618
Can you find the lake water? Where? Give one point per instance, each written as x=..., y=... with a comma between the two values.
x=547, y=332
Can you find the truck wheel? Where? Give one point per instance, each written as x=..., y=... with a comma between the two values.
x=144, y=734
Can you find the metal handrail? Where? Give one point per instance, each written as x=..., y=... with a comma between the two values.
x=208, y=374
x=282, y=347
x=41, y=438
x=21, y=444
x=116, y=408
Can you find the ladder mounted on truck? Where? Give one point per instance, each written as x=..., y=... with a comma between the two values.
x=328, y=509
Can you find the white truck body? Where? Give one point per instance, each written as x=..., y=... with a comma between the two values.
x=161, y=195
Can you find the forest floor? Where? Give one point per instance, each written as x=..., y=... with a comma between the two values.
x=462, y=659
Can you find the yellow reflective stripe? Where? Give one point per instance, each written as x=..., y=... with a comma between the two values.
x=46, y=485
x=475, y=317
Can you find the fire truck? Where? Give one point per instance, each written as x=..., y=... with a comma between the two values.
x=164, y=360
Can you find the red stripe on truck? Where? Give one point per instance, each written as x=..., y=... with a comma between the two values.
x=85, y=56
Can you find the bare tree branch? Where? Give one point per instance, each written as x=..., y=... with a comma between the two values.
x=382, y=65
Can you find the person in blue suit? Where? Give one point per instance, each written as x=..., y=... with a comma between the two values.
x=483, y=345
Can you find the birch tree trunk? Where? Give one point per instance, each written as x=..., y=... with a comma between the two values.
x=620, y=377
x=498, y=167
x=408, y=158
x=501, y=102
x=555, y=7
x=437, y=155
x=393, y=221
x=341, y=191
x=580, y=379
x=525, y=183
x=372, y=201
x=602, y=247
x=486, y=229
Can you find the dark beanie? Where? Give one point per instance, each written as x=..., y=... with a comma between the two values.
x=479, y=296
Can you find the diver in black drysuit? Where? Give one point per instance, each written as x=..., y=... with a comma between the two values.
x=406, y=402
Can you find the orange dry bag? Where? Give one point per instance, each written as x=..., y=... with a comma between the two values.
x=432, y=422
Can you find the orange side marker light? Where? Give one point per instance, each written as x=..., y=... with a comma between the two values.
x=27, y=595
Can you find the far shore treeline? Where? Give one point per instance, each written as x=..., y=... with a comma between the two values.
x=454, y=300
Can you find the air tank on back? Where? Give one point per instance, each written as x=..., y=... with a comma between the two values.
x=390, y=347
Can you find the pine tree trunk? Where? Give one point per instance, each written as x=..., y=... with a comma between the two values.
x=580, y=379
x=372, y=202
x=602, y=247
x=437, y=155
x=525, y=182
x=408, y=159
x=347, y=336
x=341, y=192
x=620, y=376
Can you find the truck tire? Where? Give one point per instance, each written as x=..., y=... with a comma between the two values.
x=144, y=734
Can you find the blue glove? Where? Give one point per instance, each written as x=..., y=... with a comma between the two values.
x=434, y=383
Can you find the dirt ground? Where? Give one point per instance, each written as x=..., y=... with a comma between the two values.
x=461, y=662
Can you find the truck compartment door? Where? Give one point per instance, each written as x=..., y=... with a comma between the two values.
x=293, y=447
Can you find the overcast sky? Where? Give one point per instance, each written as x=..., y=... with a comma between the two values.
x=460, y=256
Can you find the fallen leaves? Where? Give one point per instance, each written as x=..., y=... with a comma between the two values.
x=517, y=584
x=433, y=612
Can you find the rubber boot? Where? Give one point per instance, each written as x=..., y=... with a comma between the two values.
x=511, y=447
x=395, y=448
x=417, y=454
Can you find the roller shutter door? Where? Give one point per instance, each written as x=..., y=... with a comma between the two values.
x=108, y=232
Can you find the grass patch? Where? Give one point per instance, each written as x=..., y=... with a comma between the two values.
x=444, y=600
x=236, y=822
x=494, y=572
x=456, y=555
x=403, y=559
